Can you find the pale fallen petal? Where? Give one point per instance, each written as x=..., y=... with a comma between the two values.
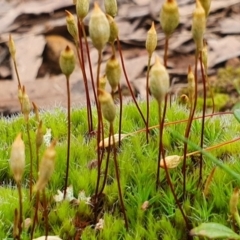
x=69, y=195
x=105, y=142
x=82, y=197
x=171, y=161
x=27, y=223
x=145, y=205
x=47, y=137
x=100, y=224
x=48, y=238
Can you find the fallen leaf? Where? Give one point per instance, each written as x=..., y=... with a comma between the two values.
x=222, y=4
x=100, y=224
x=69, y=195
x=223, y=49
x=105, y=142
x=51, y=53
x=82, y=197
x=230, y=26
x=214, y=231
x=171, y=161
x=27, y=223
x=145, y=205
x=27, y=56
x=48, y=238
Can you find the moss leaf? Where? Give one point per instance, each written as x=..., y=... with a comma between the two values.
x=214, y=231
x=237, y=114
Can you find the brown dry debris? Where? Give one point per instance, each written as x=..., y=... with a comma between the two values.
x=39, y=31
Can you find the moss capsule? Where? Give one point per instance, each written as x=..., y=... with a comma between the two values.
x=158, y=80
x=99, y=28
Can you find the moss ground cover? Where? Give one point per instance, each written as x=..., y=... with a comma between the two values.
x=161, y=218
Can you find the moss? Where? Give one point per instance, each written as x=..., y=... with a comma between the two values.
x=227, y=79
x=221, y=100
x=137, y=163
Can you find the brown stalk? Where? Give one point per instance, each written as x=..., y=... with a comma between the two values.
x=15, y=225
x=189, y=124
x=37, y=160
x=179, y=121
x=20, y=220
x=16, y=71
x=172, y=188
x=89, y=62
x=45, y=214
x=120, y=115
x=120, y=101
x=107, y=163
x=99, y=127
x=203, y=117
x=68, y=135
x=35, y=109
x=162, y=152
x=31, y=159
x=207, y=79
x=161, y=127
x=166, y=51
x=160, y=142
x=127, y=80
x=214, y=147
x=82, y=65
x=208, y=182
x=113, y=50
x=118, y=176
x=35, y=218
x=147, y=96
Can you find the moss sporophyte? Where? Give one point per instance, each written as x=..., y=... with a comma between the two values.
x=143, y=170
